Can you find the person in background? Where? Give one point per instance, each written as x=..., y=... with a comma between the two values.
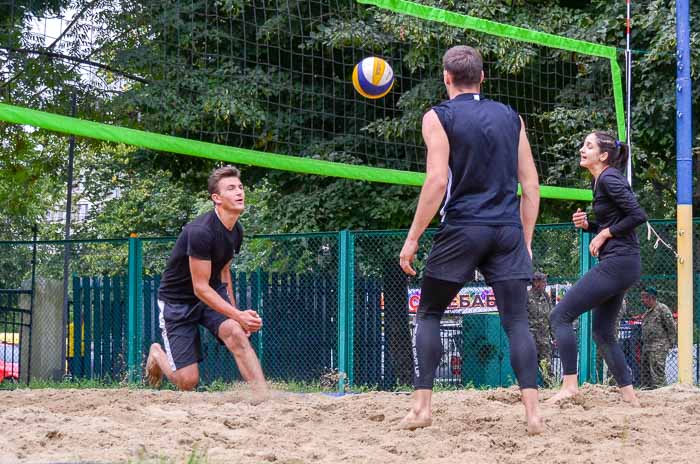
x=539, y=307
x=599, y=361
x=659, y=333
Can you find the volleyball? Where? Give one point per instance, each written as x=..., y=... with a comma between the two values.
x=373, y=77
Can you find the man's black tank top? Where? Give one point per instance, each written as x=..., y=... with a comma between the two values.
x=483, y=167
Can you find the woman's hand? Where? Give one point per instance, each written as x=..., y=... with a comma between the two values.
x=580, y=219
x=598, y=242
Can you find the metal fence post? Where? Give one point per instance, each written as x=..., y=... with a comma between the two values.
x=343, y=237
x=259, y=302
x=350, y=308
x=35, y=232
x=134, y=338
x=345, y=308
x=586, y=348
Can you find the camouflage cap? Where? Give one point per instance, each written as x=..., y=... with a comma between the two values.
x=539, y=276
x=650, y=290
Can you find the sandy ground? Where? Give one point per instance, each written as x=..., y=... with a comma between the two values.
x=471, y=426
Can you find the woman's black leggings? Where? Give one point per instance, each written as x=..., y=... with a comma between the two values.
x=511, y=299
x=602, y=290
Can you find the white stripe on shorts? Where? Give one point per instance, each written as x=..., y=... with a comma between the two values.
x=166, y=342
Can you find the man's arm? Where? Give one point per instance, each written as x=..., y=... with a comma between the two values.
x=433, y=190
x=530, y=185
x=201, y=272
x=670, y=326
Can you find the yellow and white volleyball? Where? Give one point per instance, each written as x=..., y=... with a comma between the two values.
x=373, y=77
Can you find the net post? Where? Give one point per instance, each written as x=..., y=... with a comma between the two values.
x=684, y=167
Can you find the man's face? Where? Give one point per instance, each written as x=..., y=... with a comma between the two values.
x=230, y=195
x=648, y=299
x=539, y=284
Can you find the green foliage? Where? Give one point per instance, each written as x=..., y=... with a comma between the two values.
x=29, y=186
x=295, y=205
x=128, y=198
x=221, y=71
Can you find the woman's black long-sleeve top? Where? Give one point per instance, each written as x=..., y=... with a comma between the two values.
x=616, y=207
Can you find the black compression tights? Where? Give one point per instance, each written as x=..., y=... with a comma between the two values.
x=601, y=289
x=511, y=299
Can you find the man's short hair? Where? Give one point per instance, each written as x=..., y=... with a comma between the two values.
x=539, y=276
x=221, y=173
x=464, y=64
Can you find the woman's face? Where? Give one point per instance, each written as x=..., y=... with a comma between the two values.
x=591, y=156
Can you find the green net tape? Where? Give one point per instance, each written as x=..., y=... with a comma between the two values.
x=167, y=143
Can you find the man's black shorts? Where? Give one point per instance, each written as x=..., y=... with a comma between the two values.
x=499, y=252
x=179, y=324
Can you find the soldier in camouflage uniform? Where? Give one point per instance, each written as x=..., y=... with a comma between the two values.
x=539, y=306
x=658, y=336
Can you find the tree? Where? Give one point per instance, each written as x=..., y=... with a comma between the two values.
x=39, y=73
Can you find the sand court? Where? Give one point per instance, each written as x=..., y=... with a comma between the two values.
x=485, y=426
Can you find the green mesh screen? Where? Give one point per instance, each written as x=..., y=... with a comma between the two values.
x=259, y=79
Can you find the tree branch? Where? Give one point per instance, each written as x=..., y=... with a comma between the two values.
x=74, y=59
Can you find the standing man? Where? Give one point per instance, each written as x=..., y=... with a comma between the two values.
x=539, y=307
x=477, y=153
x=658, y=336
x=196, y=289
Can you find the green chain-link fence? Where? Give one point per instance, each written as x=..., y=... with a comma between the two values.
x=335, y=306
x=64, y=326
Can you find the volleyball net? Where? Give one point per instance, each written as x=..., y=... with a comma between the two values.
x=269, y=84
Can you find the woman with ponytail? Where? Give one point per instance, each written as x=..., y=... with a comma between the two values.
x=603, y=288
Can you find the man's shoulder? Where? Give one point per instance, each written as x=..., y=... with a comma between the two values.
x=442, y=104
x=200, y=227
x=442, y=110
x=487, y=102
x=203, y=220
x=662, y=307
x=498, y=104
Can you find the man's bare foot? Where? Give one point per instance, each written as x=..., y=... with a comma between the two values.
x=629, y=396
x=260, y=393
x=153, y=374
x=414, y=421
x=633, y=403
x=562, y=394
x=535, y=426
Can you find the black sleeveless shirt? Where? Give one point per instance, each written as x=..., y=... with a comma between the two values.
x=483, y=166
